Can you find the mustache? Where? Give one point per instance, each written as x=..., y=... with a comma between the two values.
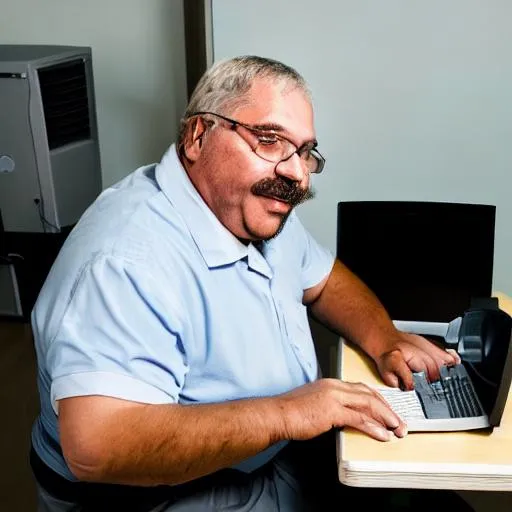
x=279, y=188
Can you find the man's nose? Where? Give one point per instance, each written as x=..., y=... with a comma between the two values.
x=292, y=168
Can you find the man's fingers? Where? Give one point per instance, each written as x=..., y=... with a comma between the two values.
x=367, y=425
x=391, y=379
x=447, y=357
x=441, y=356
x=375, y=407
x=426, y=364
x=401, y=430
x=395, y=370
x=455, y=356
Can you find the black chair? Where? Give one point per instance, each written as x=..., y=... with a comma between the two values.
x=424, y=260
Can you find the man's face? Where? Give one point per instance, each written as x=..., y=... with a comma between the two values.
x=241, y=188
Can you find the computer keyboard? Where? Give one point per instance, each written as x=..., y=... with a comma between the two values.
x=452, y=396
x=405, y=403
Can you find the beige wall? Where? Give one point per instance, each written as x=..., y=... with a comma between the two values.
x=139, y=67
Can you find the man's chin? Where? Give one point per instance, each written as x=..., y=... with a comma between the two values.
x=268, y=232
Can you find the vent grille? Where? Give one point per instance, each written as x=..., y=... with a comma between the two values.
x=65, y=103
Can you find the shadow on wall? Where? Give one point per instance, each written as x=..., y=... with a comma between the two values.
x=326, y=345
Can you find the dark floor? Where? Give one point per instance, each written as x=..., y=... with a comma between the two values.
x=19, y=405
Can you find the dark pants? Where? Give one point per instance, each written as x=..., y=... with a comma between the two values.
x=313, y=481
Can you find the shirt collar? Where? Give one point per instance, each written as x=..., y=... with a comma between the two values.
x=217, y=245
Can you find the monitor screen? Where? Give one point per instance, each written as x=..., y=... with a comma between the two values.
x=423, y=260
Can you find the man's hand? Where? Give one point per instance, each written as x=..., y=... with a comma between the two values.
x=319, y=406
x=409, y=353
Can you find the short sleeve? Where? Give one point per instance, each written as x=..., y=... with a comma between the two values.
x=316, y=261
x=117, y=338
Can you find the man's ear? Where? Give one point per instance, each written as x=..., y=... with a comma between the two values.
x=194, y=139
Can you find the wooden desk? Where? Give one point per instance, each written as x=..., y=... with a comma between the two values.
x=473, y=460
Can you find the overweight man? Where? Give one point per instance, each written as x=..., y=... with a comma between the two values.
x=176, y=365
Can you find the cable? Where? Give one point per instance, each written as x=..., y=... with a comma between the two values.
x=15, y=255
x=44, y=221
x=10, y=257
x=37, y=201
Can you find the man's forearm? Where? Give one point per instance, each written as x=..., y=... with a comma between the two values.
x=166, y=444
x=349, y=307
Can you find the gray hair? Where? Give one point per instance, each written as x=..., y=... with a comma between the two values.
x=224, y=85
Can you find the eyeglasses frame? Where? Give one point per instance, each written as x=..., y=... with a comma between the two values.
x=255, y=130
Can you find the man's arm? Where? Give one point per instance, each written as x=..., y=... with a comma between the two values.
x=343, y=303
x=116, y=441
x=347, y=306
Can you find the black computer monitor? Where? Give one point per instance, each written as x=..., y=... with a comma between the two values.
x=423, y=260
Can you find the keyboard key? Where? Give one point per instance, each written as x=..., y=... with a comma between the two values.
x=404, y=403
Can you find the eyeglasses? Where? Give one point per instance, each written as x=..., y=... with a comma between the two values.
x=272, y=147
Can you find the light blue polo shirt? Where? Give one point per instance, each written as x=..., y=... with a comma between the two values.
x=153, y=300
